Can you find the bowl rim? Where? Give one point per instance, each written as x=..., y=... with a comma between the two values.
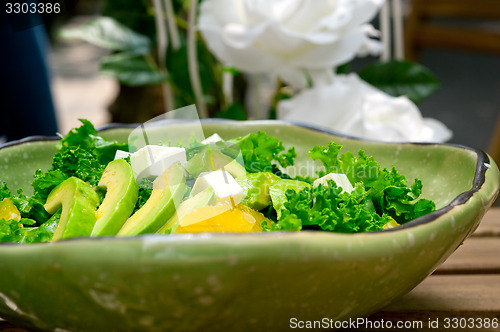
x=482, y=165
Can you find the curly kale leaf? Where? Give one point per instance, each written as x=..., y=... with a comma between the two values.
x=261, y=152
x=87, y=138
x=387, y=189
x=328, y=208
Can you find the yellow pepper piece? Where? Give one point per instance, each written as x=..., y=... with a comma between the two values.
x=391, y=224
x=8, y=210
x=220, y=218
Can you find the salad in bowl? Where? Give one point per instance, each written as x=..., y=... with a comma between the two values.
x=96, y=187
x=266, y=223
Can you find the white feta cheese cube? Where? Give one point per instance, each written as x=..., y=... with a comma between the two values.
x=121, y=154
x=212, y=139
x=153, y=160
x=340, y=179
x=224, y=185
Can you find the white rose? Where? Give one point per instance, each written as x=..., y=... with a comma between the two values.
x=351, y=106
x=287, y=36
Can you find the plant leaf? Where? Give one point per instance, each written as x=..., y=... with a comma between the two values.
x=401, y=78
x=178, y=69
x=131, y=70
x=134, y=14
x=235, y=111
x=107, y=33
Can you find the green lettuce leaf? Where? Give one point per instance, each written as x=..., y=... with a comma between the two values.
x=23, y=231
x=263, y=153
x=87, y=138
x=79, y=162
x=4, y=191
x=387, y=189
x=327, y=208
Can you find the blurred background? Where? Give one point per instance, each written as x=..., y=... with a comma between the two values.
x=458, y=40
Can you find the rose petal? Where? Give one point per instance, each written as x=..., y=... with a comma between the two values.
x=293, y=77
x=298, y=34
x=240, y=36
x=325, y=56
x=364, y=12
x=233, y=12
x=351, y=106
x=440, y=133
x=325, y=106
x=307, y=17
x=243, y=58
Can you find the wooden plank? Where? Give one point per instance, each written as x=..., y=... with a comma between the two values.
x=477, y=9
x=430, y=322
x=470, y=39
x=439, y=298
x=494, y=145
x=453, y=294
x=490, y=225
x=7, y=327
x=480, y=255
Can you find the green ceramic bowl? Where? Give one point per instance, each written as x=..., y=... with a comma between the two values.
x=258, y=281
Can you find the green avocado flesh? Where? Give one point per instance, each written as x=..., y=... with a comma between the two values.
x=78, y=201
x=211, y=160
x=121, y=196
x=256, y=189
x=168, y=190
x=278, y=189
x=203, y=198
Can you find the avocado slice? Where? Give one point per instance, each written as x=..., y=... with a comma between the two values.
x=203, y=198
x=256, y=189
x=79, y=202
x=211, y=160
x=278, y=189
x=168, y=190
x=121, y=196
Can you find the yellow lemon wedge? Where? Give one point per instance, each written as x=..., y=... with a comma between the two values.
x=9, y=211
x=391, y=224
x=221, y=218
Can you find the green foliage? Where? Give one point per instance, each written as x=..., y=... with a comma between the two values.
x=178, y=69
x=145, y=190
x=131, y=70
x=132, y=65
x=24, y=231
x=401, y=78
x=87, y=138
x=343, y=69
x=235, y=111
x=10, y=229
x=79, y=163
x=387, y=189
x=43, y=183
x=107, y=33
x=134, y=14
x=4, y=191
x=260, y=152
x=327, y=208
x=30, y=207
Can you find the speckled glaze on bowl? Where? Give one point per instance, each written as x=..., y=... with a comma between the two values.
x=259, y=281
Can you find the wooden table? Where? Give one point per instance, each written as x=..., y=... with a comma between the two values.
x=464, y=288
